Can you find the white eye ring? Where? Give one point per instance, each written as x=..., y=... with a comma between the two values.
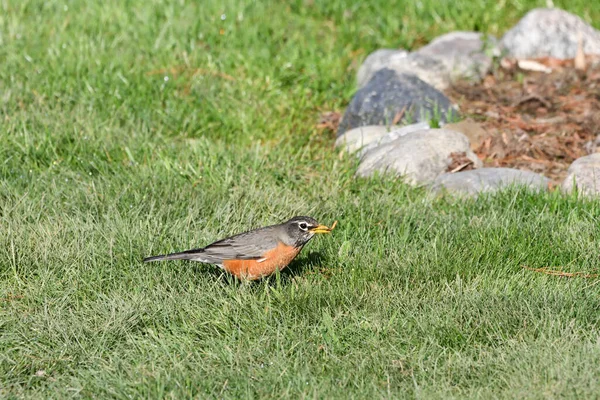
x=303, y=226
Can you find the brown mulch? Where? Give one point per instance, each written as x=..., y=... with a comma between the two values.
x=533, y=120
x=460, y=162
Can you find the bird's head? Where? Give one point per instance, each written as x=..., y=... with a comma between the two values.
x=301, y=229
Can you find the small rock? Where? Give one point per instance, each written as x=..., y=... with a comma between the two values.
x=584, y=174
x=592, y=146
x=390, y=98
x=462, y=53
x=418, y=156
x=550, y=32
x=456, y=55
x=357, y=138
x=366, y=137
x=472, y=130
x=379, y=59
x=476, y=181
x=395, y=134
x=426, y=68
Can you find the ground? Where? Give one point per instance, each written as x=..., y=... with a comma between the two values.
x=130, y=130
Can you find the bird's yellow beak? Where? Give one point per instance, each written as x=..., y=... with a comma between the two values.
x=323, y=228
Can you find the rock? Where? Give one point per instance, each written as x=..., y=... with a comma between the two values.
x=584, y=174
x=379, y=59
x=476, y=181
x=550, y=32
x=390, y=98
x=426, y=68
x=393, y=135
x=592, y=146
x=456, y=55
x=367, y=137
x=418, y=156
x=462, y=53
x=357, y=138
x=472, y=130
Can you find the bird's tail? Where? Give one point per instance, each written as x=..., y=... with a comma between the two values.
x=184, y=255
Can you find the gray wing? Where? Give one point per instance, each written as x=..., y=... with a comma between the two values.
x=245, y=246
x=250, y=245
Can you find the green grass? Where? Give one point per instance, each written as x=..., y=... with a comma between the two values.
x=104, y=161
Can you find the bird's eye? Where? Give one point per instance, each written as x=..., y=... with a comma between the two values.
x=303, y=226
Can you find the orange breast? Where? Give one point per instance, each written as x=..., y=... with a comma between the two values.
x=276, y=259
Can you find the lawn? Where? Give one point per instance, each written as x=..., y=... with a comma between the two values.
x=130, y=128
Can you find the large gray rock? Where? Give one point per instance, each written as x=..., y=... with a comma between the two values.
x=584, y=174
x=544, y=32
x=418, y=156
x=391, y=98
x=456, y=55
x=366, y=137
x=473, y=182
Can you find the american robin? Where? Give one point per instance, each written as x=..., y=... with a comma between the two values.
x=257, y=253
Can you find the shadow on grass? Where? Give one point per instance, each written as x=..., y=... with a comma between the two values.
x=299, y=267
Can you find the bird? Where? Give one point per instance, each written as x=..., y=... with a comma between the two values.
x=257, y=253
